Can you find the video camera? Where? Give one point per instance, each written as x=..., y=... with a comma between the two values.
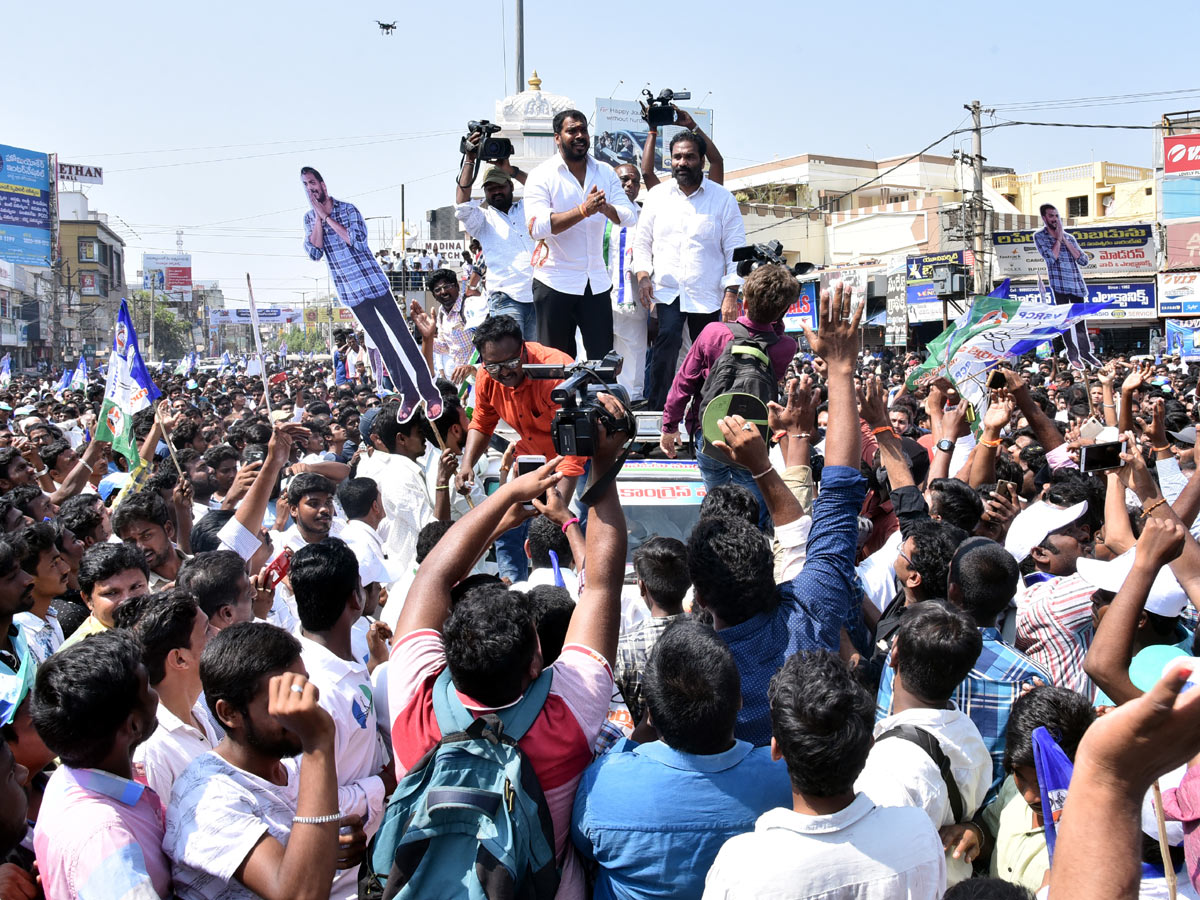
x=574, y=428
x=752, y=256
x=658, y=109
x=490, y=148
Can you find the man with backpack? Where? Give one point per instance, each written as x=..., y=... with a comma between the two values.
x=749, y=356
x=494, y=745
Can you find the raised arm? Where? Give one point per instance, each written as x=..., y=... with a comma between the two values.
x=983, y=462
x=1133, y=381
x=596, y=621
x=716, y=162
x=745, y=445
x=1108, y=659
x=1043, y=426
x=428, y=602
x=1107, y=377
x=649, y=176
x=874, y=410
x=836, y=342
x=251, y=511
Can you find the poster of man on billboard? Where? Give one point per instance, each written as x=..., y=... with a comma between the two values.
x=621, y=132
x=336, y=231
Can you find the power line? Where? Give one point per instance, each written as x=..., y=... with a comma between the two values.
x=1106, y=100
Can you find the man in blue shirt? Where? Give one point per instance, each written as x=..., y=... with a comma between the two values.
x=653, y=816
x=730, y=563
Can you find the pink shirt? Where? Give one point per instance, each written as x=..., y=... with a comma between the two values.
x=558, y=744
x=100, y=835
x=1182, y=804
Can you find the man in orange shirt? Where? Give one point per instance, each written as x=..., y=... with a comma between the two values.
x=504, y=391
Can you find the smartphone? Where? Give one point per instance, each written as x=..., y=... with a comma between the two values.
x=277, y=569
x=996, y=380
x=1101, y=457
x=530, y=463
x=1008, y=488
x=1089, y=429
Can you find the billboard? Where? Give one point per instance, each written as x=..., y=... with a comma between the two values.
x=1181, y=154
x=619, y=133
x=1180, y=197
x=804, y=310
x=1129, y=301
x=82, y=174
x=1111, y=249
x=896, y=333
x=267, y=315
x=1179, y=294
x=1183, y=246
x=919, y=287
x=170, y=273
x=24, y=206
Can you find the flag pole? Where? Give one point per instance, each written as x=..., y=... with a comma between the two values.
x=162, y=426
x=262, y=367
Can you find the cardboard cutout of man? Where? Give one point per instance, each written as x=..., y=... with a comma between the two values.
x=1063, y=258
x=335, y=229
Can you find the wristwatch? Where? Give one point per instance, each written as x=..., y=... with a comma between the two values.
x=945, y=445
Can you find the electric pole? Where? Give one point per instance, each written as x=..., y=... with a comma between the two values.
x=977, y=199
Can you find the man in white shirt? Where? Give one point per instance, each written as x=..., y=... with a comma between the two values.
x=259, y=815
x=173, y=631
x=630, y=310
x=329, y=598
x=562, y=198
x=834, y=841
x=936, y=647
x=452, y=425
x=500, y=229
x=686, y=236
x=393, y=463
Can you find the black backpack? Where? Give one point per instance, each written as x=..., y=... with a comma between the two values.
x=744, y=367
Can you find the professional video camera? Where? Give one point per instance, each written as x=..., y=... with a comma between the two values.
x=574, y=427
x=490, y=148
x=658, y=109
x=752, y=256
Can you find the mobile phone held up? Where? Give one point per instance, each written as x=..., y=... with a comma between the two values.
x=996, y=380
x=278, y=569
x=1101, y=457
x=527, y=464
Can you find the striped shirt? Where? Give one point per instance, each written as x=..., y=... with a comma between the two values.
x=1054, y=629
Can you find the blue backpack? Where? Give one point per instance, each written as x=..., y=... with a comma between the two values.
x=470, y=819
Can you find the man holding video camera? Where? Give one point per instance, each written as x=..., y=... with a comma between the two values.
x=504, y=391
x=500, y=229
x=567, y=200
x=686, y=236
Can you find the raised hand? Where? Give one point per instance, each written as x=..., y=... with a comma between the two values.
x=872, y=402
x=744, y=444
x=837, y=338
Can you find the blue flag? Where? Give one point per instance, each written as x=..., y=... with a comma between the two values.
x=79, y=379
x=128, y=390
x=6, y=369
x=1054, y=770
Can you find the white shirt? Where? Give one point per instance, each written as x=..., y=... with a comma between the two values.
x=407, y=507
x=170, y=749
x=865, y=852
x=293, y=540
x=574, y=257
x=877, y=572
x=899, y=773
x=345, y=693
x=506, y=244
x=687, y=242
x=545, y=576
x=218, y=813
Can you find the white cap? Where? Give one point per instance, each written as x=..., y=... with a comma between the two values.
x=1031, y=526
x=1166, y=598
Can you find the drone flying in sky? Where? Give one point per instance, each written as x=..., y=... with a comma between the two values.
x=386, y=28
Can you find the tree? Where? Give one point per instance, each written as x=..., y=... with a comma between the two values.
x=172, y=335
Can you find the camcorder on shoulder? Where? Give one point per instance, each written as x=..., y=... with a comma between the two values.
x=490, y=148
x=575, y=426
x=658, y=109
x=752, y=256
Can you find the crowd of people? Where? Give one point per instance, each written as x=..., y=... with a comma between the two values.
x=327, y=646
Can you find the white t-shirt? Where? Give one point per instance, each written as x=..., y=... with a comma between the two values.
x=218, y=813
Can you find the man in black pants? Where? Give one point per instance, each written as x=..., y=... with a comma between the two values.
x=571, y=284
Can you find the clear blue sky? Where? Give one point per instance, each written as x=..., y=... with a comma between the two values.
x=268, y=89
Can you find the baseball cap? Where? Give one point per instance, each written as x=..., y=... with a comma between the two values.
x=365, y=421
x=1184, y=435
x=110, y=483
x=495, y=175
x=1166, y=598
x=1031, y=526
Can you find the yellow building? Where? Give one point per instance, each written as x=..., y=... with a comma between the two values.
x=93, y=271
x=1084, y=194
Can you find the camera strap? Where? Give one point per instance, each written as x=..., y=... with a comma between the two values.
x=597, y=488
